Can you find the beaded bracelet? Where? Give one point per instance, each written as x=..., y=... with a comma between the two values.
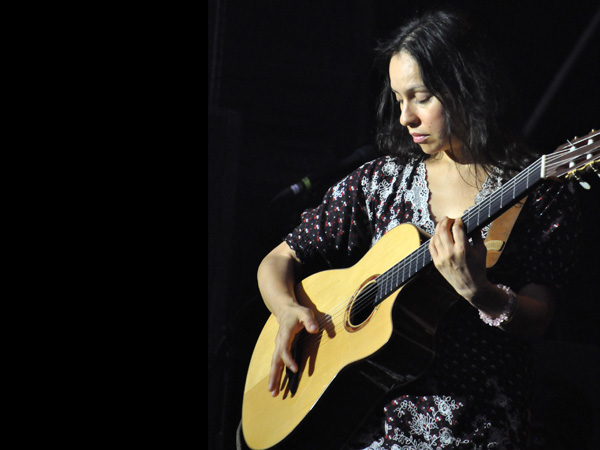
x=509, y=309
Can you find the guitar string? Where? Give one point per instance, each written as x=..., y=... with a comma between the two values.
x=552, y=161
x=367, y=297
x=517, y=183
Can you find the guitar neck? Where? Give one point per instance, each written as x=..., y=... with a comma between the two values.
x=512, y=191
x=474, y=219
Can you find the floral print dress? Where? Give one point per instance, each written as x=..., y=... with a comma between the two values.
x=476, y=393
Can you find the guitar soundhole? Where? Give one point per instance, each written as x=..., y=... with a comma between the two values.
x=362, y=306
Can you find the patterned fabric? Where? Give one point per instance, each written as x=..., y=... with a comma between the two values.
x=476, y=393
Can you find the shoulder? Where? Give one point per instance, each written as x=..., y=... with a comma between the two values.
x=387, y=170
x=387, y=165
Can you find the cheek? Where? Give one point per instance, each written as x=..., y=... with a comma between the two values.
x=437, y=120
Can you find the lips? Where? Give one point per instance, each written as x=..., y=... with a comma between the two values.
x=419, y=138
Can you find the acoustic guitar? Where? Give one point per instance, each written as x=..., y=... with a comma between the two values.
x=363, y=321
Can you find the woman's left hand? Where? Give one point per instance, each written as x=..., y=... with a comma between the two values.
x=461, y=263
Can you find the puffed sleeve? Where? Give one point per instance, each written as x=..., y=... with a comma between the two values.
x=337, y=232
x=543, y=245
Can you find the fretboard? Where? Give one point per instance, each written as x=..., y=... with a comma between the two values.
x=474, y=219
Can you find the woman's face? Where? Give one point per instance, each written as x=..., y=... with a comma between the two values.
x=420, y=112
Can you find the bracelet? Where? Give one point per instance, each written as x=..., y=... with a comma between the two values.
x=509, y=309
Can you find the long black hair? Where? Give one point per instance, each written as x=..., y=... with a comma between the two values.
x=458, y=71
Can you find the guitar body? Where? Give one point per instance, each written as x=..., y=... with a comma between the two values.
x=345, y=360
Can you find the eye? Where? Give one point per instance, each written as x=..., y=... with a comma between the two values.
x=423, y=98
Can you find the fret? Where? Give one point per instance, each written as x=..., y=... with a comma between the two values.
x=380, y=291
x=404, y=270
x=389, y=281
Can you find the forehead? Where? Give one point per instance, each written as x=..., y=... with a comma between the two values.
x=404, y=72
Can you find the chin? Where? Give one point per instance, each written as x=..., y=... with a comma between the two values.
x=431, y=150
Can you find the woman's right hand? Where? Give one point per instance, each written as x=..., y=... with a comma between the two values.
x=292, y=319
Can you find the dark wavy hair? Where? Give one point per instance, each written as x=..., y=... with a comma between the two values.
x=460, y=73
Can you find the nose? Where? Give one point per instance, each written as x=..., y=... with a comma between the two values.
x=408, y=118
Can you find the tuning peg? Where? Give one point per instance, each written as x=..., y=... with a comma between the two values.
x=584, y=184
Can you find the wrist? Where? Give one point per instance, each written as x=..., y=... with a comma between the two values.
x=491, y=299
x=479, y=294
x=507, y=312
x=283, y=306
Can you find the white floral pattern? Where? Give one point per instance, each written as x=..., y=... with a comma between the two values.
x=429, y=423
x=413, y=190
x=429, y=428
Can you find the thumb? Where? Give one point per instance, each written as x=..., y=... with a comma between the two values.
x=309, y=322
x=478, y=242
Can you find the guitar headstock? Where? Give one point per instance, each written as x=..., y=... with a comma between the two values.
x=576, y=155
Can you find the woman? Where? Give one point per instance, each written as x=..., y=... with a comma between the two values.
x=442, y=124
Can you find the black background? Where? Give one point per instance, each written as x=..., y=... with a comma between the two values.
x=291, y=91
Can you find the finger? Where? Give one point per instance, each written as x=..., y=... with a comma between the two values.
x=281, y=358
x=308, y=321
x=458, y=232
x=440, y=225
x=275, y=375
x=478, y=242
x=284, y=346
x=436, y=246
x=288, y=360
x=446, y=240
x=435, y=239
x=432, y=249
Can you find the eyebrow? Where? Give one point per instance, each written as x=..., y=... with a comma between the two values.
x=411, y=89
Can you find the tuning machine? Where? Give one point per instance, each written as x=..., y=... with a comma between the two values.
x=584, y=184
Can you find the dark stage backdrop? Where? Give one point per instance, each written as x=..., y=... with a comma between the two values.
x=291, y=91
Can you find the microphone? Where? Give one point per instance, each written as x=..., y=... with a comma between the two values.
x=345, y=166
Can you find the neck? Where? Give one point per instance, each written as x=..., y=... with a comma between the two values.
x=456, y=155
x=453, y=163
